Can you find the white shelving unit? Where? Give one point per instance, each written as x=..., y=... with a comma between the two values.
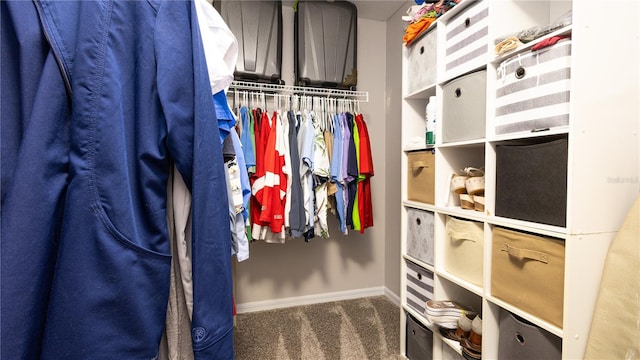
x=603, y=158
x=298, y=90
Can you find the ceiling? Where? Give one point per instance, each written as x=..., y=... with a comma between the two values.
x=378, y=9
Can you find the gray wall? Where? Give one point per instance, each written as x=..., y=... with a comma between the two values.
x=342, y=263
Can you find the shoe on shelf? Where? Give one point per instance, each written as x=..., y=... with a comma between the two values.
x=458, y=184
x=474, y=185
x=469, y=354
x=466, y=202
x=473, y=344
x=461, y=331
x=468, y=184
x=478, y=203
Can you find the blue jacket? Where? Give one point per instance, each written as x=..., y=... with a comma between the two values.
x=99, y=99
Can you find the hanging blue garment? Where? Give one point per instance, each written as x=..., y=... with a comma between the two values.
x=36, y=116
x=336, y=172
x=244, y=176
x=93, y=118
x=226, y=120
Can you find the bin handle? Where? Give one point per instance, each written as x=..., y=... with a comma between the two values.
x=456, y=236
x=525, y=253
x=419, y=164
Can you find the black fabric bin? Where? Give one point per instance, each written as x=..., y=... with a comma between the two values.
x=419, y=340
x=531, y=181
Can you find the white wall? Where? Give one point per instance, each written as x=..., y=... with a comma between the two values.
x=342, y=263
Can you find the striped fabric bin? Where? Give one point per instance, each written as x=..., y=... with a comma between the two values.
x=532, y=91
x=467, y=40
x=419, y=286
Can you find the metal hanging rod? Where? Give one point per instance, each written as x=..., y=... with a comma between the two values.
x=362, y=96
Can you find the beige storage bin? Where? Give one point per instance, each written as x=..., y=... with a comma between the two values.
x=467, y=42
x=421, y=176
x=527, y=271
x=463, y=249
x=421, y=58
x=420, y=235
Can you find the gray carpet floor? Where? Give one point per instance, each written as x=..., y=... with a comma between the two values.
x=359, y=329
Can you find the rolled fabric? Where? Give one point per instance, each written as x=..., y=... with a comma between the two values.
x=507, y=44
x=548, y=42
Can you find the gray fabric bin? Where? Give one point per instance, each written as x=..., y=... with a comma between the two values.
x=420, y=235
x=464, y=107
x=522, y=340
x=421, y=58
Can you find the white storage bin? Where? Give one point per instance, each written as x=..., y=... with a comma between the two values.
x=419, y=286
x=464, y=248
x=467, y=40
x=420, y=235
x=532, y=91
x=421, y=57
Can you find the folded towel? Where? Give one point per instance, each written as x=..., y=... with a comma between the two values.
x=445, y=313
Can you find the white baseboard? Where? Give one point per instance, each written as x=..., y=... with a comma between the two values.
x=316, y=299
x=393, y=297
